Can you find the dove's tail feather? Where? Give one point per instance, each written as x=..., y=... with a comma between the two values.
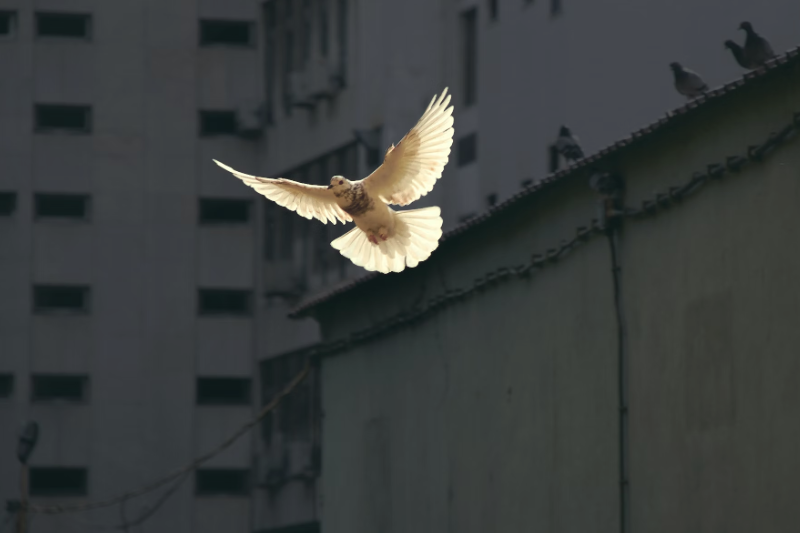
x=417, y=233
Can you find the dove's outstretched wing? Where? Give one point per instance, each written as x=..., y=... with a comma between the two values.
x=308, y=201
x=410, y=169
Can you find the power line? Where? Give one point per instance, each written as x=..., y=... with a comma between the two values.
x=181, y=472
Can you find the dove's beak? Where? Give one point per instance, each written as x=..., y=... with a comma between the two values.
x=330, y=186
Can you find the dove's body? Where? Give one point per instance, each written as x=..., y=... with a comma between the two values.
x=383, y=239
x=373, y=218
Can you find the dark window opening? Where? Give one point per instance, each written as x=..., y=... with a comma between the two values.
x=288, y=68
x=493, y=9
x=58, y=481
x=57, y=117
x=217, y=123
x=343, y=28
x=8, y=203
x=288, y=232
x=61, y=206
x=294, y=414
x=72, y=25
x=269, y=59
x=223, y=391
x=323, y=28
x=553, y=159
x=305, y=51
x=224, y=302
x=229, y=32
x=222, y=481
x=469, y=30
x=8, y=23
x=6, y=385
x=60, y=298
x=49, y=387
x=467, y=149
x=555, y=8
x=222, y=210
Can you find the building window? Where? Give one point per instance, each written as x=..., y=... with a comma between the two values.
x=305, y=52
x=217, y=123
x=555, y=8
x=222, y=482
x=467, y=149
x=6, y=385
x=553, y=159
x=62, y=118
x=324, y=30
x=224, y=302
x=226, y=32
x=493, y=9
x=8, y=24
x=283, y=228
x=224, y=211
x=223, y=391
x=269, y=58
x=294, y=414
x=69, y=25
x=58, y=481
x=8, y=203
x=342, y=33
x=469, y=64
x=51, y=387
x=69, y=299
x=48, y=205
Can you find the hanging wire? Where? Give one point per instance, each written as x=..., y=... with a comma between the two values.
x=660, y=202
x=181, y=472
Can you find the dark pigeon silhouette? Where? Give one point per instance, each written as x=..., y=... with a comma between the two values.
x=568, y=145
x=757, y=49
x=738, y=55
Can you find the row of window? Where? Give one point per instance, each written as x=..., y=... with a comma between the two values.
x=75, y=389
x=78, y=26
x=76, y=299
x=64, y=481
x=78, y=206
x=77, y=119
x=494, y=8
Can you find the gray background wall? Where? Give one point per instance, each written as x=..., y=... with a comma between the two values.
x=500, y=411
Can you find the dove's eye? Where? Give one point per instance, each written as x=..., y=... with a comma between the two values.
x=341, y=182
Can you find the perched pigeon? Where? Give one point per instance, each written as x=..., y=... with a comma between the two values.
x=738, y=55
x=687, y=82
x=568, y=145
x=383, y=239
x=757, y=50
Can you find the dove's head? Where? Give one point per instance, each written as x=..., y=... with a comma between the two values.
x=564, y=132
x=675, y=66
x=746, y=26
x=339, y=184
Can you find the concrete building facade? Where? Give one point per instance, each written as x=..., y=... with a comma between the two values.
x=144, y=292
x=481, y=390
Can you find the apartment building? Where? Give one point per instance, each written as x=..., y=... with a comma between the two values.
x=144, y=292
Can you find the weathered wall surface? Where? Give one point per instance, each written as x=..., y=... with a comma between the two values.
x=500, y=412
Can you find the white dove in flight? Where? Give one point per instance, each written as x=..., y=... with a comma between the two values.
x=383, y=239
